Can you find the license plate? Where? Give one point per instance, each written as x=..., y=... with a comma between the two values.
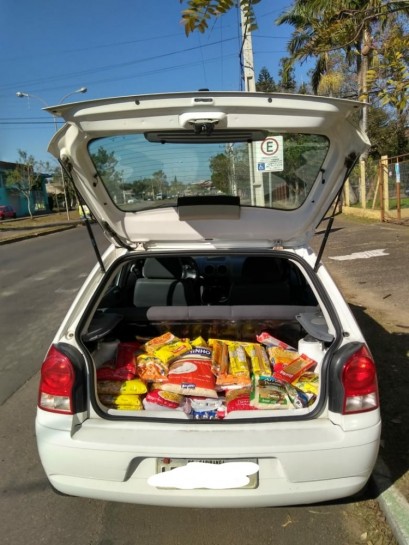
x=167, y=464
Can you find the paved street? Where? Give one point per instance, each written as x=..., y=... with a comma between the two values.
x=38, y=280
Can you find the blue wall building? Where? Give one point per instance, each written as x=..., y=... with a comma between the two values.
x=39, y=198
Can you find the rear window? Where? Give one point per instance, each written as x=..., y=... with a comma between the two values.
x=264, y=169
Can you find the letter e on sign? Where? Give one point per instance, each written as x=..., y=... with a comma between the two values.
x=270, y=153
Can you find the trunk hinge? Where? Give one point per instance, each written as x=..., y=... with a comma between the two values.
x=278, y=245
x=123, y=243
x=67, y=168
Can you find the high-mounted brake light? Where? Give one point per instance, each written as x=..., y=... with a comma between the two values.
x=56, y=383
x=360, y=383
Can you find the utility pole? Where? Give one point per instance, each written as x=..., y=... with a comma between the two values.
x=247, y=55
x=247, y=62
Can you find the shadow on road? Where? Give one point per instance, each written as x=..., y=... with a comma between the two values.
x=391, y=353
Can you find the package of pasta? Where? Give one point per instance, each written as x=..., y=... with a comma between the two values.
x=191, y=374
x=238, y=369
x=157, y=342
x=269, y=393
x=220, y=357
x=151, y=368
x=298, y=398
x=308, y=382
x=260, y=364
x=279, y=352
x=159, y=400
x=291, y=372
x=134, y=386
x=238, y=400
x=124, y=402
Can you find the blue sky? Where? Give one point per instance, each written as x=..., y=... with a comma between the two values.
x=50, y=48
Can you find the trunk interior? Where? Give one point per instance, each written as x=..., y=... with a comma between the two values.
x=209, y=337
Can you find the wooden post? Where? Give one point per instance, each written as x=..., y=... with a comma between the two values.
x=385, y=183
x=362, y=185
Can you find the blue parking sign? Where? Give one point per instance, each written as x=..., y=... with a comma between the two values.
x=261, y=166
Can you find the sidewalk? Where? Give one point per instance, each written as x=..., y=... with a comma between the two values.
x=24, y=228
x=393, y=504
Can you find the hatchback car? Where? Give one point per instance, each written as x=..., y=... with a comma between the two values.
x=7, y=211
x=209, y=360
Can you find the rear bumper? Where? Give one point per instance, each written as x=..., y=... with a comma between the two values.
x=271, y=492
x=299, y=464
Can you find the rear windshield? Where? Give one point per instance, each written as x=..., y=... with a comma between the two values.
x=264, y=169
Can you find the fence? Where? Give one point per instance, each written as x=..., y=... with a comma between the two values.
x=385, y=194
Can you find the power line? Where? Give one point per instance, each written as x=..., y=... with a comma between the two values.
x=105, y=68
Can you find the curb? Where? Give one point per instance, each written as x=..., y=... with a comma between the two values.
x=392, y=503
x=29, y=235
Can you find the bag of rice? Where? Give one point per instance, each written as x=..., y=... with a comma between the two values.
x=191, y=374
x=159, y=400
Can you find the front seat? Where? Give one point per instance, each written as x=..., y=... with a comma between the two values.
x=163, y=283
x=263, y=282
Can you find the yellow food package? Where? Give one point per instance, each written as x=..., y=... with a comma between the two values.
x=220, y=357
x=116, y=387
x=169, y=352
x=150, y=368
x=260, y=364
x=130, y=402
x=155, y=343
x=280, y=355
x=199, y=341
x=238, y=360
x=308, y=382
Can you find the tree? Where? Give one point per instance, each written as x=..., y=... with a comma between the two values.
x=25, y=178
x=200, y=12
x=106, y=164
x=265, y=82
x=287, y=82
x=388, y=78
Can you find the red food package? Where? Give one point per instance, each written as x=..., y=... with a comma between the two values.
x=239, y=400
x=125, y=355
x=192, y=375
x=290, y=372
x=109, y=372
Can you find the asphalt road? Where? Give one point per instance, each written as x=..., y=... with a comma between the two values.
x=38, y=280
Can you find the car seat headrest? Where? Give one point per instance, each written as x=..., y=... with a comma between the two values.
x=170, y=268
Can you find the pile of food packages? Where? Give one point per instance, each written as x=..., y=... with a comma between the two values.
x=207, y=379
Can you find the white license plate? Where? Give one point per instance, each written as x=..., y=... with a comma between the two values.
x=167, y=464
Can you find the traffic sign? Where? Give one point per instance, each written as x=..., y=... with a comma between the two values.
x=269, y=154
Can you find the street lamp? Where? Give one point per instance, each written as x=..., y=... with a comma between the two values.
x=21, y=94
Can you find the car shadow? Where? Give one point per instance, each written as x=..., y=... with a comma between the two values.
x=391, y=354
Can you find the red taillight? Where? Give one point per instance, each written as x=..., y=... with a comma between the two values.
x=360, y=383
x=56, y=383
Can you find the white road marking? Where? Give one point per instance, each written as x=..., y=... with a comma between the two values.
x=361, y=255
x=62, y=290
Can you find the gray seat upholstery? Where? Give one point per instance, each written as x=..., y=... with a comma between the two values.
x=264, y=281
x=163, y=283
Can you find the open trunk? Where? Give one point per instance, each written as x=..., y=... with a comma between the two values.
x=216, y=336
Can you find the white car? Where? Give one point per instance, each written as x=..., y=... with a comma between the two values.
x=209, y=359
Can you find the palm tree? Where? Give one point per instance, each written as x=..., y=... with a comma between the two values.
x=325, y=26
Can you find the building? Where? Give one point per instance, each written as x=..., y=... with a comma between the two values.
x=38, y=199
